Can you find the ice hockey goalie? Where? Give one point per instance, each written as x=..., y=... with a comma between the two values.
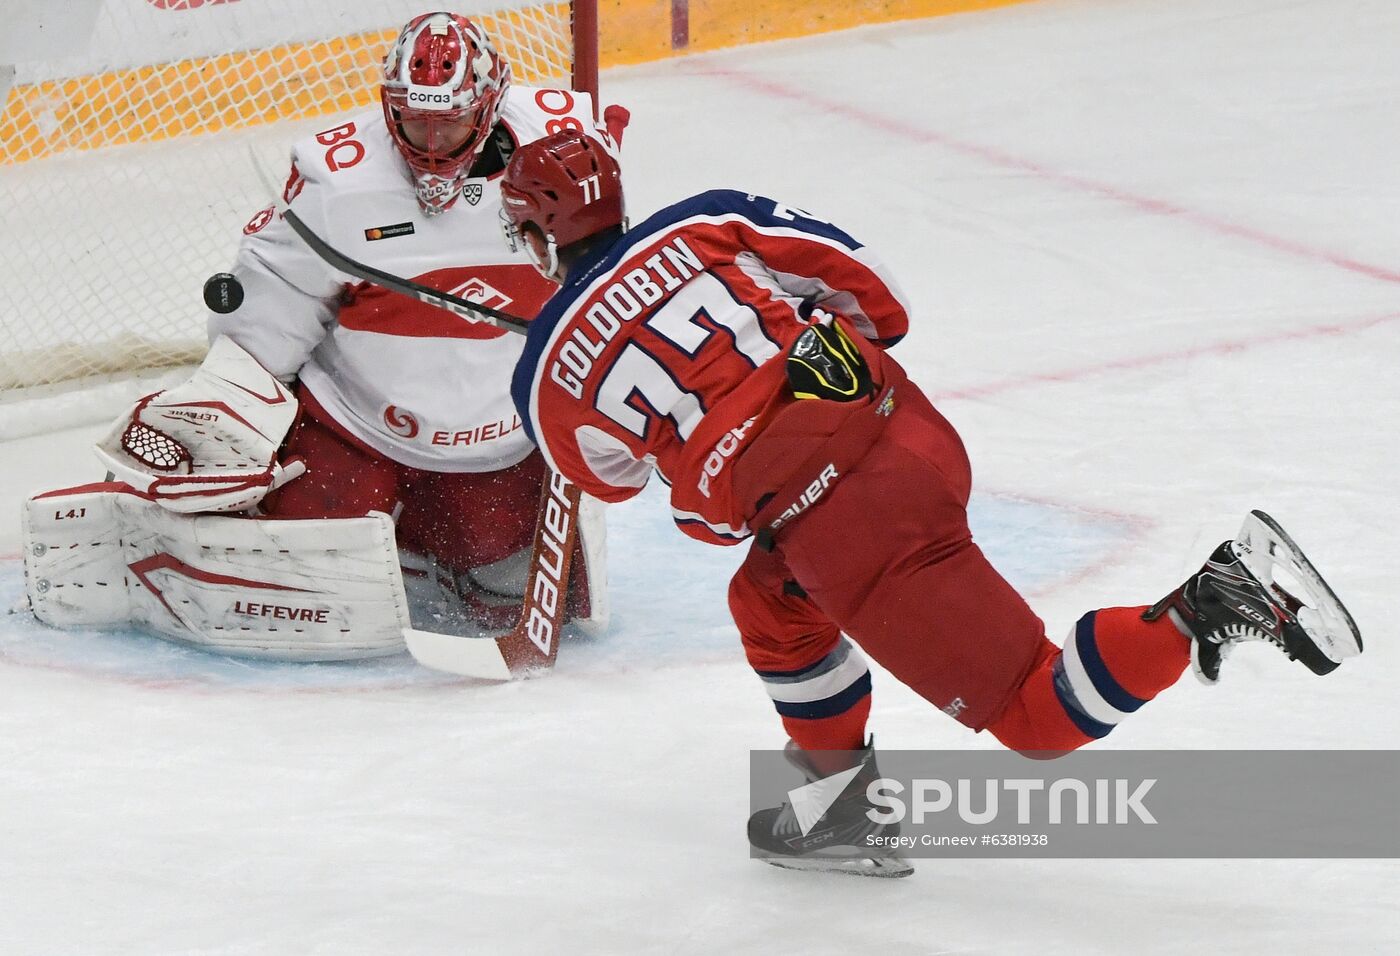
x=347, y=462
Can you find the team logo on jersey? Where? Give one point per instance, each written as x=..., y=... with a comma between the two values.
x=471, y=192
x=475, y=290
x=389, y=232
x=259, y=222
x=400, y=422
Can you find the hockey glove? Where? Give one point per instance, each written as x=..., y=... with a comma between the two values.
x=209, y=444
x=825, y=363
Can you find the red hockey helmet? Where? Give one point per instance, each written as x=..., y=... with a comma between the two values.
x=566, y=187
x=444, y=84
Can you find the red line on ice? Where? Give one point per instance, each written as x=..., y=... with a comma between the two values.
x=1147, y=204
x=1133, y=363
x=997, y=157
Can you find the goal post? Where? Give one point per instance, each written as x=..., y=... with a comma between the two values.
x=125, y=165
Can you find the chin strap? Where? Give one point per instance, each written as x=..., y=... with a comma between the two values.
x=548, y=266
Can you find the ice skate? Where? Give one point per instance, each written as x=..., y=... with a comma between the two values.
x=1236, y=597
x=837, y=841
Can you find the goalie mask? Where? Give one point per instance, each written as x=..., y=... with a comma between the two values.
x=564, y=188
x=444, y=84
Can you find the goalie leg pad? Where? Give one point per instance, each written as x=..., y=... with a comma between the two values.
x=300, y=590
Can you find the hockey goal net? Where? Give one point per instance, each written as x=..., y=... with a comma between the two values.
x=127, y=171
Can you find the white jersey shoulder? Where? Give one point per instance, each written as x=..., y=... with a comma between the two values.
x=355, y=154
x=415, y=384
x=532, y=113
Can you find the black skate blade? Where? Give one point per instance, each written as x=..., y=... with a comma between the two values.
x=880, y=867
x=1262, y=545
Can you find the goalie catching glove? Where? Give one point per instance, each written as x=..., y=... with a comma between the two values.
x=209, y=444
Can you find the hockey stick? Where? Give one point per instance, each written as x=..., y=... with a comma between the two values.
x=533, y=644
x=443, y=300
x=336, y=259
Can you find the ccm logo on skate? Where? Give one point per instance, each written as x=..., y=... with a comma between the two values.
x=808, y=498
x=724, y=449
x=1256, y=615
x=545, y=590
x=281, y=612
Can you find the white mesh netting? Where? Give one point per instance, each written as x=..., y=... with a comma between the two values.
x=153, y=448
x=125, y=171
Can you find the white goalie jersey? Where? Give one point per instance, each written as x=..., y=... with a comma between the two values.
x=422, y=387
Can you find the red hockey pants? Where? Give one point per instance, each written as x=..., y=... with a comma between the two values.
x=465, y=519
x=885, y=555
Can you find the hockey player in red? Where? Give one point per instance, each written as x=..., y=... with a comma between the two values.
x=738, y=347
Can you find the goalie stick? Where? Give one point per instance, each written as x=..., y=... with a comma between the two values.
x=533, y=645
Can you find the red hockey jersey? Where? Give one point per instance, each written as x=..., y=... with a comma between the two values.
x=665, y=352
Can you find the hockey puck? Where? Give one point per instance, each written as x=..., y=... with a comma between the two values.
x=223, y=292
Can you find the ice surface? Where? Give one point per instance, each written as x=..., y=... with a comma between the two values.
x=1152, y=253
